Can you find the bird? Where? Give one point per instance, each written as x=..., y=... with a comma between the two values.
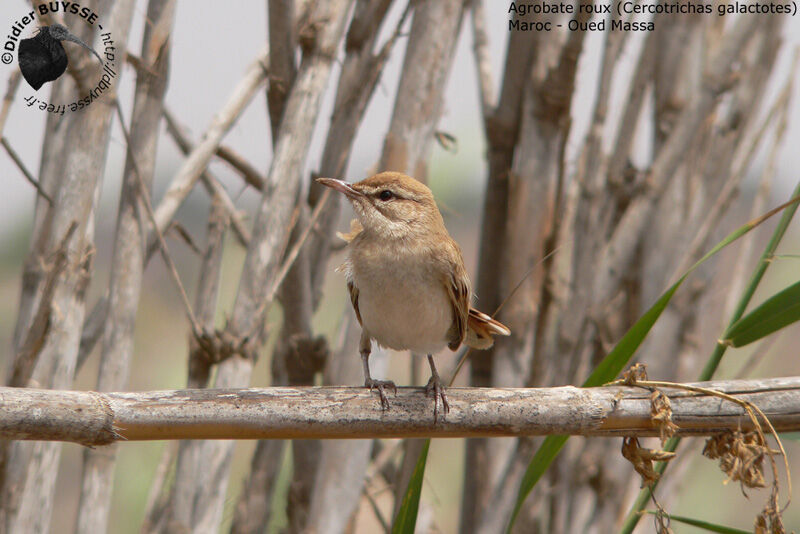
x=406, y=278
x=42, y=58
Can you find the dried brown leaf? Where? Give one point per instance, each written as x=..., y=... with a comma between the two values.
x=661, y=412
x=642, y=459
x=635, y=373
x=741, y=456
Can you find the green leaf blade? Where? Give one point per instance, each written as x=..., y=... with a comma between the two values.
x=778, y=311
x=544, y=456
x=711, y=527
x=406, y=519
x=606, y=371
x=613, y=363
x=710, y=368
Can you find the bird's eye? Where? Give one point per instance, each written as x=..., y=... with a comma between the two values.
x=386, y=195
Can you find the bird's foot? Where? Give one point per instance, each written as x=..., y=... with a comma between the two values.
x=381, y=386
x=436, y=388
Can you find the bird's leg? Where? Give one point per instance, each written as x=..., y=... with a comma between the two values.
x=365, y=347
x=436, y=387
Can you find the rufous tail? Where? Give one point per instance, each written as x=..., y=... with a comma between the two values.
x=481, y=328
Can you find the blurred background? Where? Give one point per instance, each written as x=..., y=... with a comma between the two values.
x=212, y=45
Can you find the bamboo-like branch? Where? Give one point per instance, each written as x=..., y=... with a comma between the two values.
x=94, y=419
x=270, y=235
x=483, y=63
x=429, y=55
x=129, y=256
x=502, y=133
x=283, y=68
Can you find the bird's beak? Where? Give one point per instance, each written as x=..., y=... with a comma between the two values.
x=74, y=39
x=342, y=187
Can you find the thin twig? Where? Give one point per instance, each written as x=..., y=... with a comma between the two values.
x=196, y=328
x=156, y=498
x=25, y=360
x=382, y=460
x=227, y=154
x=377, y=512
x=284, y=267
x=298, y=245
x=197, y=161
x=187, y=238
x=185, y=145
x=383, y=54
x=25, y=172
x=239, y=163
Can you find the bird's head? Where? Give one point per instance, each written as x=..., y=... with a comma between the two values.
x=59, y=32
x=391, y=204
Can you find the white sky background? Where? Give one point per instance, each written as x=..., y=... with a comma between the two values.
x=214, y=42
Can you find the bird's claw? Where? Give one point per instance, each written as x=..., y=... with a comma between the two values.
x=381, y=386
x=436, y=388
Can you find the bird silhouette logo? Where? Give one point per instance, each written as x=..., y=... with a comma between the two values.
x=42, y=57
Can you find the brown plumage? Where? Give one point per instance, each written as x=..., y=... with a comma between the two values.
x=406, y=276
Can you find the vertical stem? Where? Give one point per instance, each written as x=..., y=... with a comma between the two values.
x=129, y=256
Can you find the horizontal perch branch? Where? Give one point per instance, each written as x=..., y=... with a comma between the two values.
x=93, y=418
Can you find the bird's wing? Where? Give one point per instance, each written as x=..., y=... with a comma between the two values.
x=353, y=290
x=471, y=327
x=347, y=269
x=458, y=289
